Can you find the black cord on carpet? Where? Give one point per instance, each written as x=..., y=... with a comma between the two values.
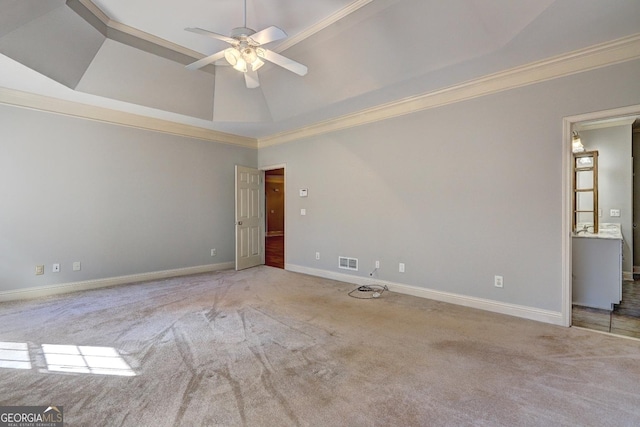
x=368, y=291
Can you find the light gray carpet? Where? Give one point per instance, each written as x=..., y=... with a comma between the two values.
x=274, y=348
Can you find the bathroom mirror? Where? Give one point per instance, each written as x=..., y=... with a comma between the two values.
x=585, y=191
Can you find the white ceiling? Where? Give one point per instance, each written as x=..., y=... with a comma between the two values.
x=359, y=53
x=167, y=19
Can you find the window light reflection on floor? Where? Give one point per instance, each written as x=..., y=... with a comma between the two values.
x=14, y=355
x=85, y=360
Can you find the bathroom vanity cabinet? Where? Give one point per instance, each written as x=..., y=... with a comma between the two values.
x=597, y=268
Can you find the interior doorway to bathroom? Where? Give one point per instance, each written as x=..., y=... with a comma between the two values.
x=614, y=135
x=274, y=187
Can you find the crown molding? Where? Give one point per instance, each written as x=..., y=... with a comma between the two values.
x=132, y=36
x=106, y=24
x=150, y=38
x=95, y=10
x=153, y=44
x=122, y=28
x=101, y=114
x=598, y=56
x=593, y=57
x=321, y=25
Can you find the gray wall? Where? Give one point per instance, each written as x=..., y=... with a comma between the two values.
x=119, y=200
x=615, y=180
x=459, y=193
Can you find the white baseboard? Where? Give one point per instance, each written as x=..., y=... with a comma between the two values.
x=627, y=275
x=531, y=313
x=64, y=288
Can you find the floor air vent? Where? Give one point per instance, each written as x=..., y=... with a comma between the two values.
x=348, y=263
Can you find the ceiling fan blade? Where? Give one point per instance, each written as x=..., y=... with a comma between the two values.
x=212, y=35
x=283, y=61
x=251, y=79
x=205, y=61
x=268, y=35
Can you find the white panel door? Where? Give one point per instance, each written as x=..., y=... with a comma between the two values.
x=249, y=221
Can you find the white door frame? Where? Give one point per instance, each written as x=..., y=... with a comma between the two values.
x=286, y=202
x=567, y=196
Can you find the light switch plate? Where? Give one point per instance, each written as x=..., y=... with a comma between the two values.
x=304, y=192
x=614, y=212
x=303, y=211
x=76, y=266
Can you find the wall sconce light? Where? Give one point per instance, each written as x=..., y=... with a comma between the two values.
x=576, y=143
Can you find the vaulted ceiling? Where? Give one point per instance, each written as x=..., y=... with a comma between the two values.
x=129, y=55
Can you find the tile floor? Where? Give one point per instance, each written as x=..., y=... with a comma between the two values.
x=623, y=320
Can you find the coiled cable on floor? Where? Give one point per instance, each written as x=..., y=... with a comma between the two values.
x=368, y=291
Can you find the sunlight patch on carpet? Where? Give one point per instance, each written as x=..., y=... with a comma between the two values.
x=65, y=358
x=14, y=355
x=85, y=360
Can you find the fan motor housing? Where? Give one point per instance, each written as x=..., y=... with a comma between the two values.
x=241, y=32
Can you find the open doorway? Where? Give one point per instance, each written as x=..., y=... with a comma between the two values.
x=602, y=294
x=274, y=188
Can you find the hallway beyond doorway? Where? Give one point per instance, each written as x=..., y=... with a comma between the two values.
x=274, y=189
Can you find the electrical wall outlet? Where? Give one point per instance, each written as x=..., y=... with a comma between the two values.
x=214, y=252
x=39, y=270
x=317, y=255
x=498, y=281
x=76, y=266
x=56, y=268
x=401, y=267
x=614, y=212
x=377, y=264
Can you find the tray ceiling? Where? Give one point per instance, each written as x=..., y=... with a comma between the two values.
x=130, y=54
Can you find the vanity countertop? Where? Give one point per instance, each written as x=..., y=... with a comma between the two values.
x=606, y=230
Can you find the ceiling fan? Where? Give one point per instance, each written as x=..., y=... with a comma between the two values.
x=247, y=52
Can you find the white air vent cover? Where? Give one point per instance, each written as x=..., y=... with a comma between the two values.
x=348, y=263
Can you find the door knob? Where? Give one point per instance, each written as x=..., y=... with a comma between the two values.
x=239, y=222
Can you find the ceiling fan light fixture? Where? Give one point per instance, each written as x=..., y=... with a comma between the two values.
x=236, y=58
x=245, y=53
x=257, y=64
x=241, y=65
x=249, y=55
x=232, y=55
x=242, y=57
